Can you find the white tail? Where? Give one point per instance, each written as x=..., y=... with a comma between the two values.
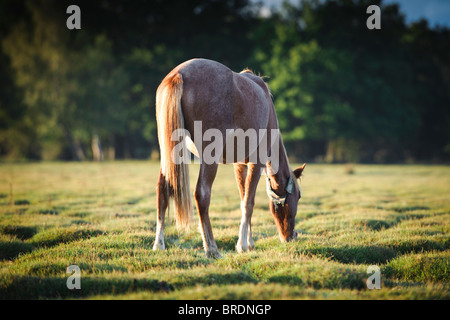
x=169, y=116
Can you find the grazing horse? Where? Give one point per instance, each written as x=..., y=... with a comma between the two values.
x=207, y=92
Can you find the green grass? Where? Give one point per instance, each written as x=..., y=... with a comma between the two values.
x=101, y=217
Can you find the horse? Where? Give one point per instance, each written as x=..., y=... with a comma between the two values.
x=206, y=91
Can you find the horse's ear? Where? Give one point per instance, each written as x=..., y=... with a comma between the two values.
x=299, y=170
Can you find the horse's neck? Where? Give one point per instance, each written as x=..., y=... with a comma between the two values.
x=279, y=179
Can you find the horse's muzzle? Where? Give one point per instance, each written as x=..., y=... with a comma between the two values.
x=292, y=237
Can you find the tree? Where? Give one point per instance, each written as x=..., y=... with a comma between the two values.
x=342, y=90
x=99, y=111
x=40, y=62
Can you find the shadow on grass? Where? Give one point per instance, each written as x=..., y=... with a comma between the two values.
x=227, y=243
x=409, y=208
x=20, y=232
x=52, y=237
x=391, y=221
x=229, y=278
x=355, y=254
x=375, y=225
x=344, y=280
x=49, y=212
x=11, y=249
x=420, y=245
x=56, y=287
x=376, y=254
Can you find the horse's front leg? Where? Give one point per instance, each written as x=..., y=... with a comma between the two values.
x=162, y=197
x=202, y=197
x=253, y=174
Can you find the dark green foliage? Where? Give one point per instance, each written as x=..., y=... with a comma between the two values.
x=347, y=93
x=343, y=93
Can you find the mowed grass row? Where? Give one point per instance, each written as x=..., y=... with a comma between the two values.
x=101, y=217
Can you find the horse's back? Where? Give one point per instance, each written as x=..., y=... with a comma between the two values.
x=221, y=98
x=207, y=91
x=252, y=101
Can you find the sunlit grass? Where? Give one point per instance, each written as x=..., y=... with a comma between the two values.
x=101, y=217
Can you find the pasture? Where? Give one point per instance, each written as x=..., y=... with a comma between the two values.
x=102, y=218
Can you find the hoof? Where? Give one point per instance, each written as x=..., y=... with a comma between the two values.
x=213, y=254
x=158, y=246
x=240, y=247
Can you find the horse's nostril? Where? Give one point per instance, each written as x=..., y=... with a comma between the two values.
x=292, y=237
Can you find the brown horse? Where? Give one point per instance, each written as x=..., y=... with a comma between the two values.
x=205, y=92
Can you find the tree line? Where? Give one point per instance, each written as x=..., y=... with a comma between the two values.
x=342, y=92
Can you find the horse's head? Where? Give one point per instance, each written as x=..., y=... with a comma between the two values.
x=283, y=202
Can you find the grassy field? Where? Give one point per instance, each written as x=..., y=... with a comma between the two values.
x=101, y=217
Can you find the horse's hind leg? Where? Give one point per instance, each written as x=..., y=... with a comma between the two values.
x=162, y=197
x=253, y=173
x=203, y=197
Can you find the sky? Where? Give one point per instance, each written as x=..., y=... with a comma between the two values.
x=437, y=12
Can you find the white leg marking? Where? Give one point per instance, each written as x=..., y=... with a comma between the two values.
x=159, y=239
x=242, y=244
x=251, y=243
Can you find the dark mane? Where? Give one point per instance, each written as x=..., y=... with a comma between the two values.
x=263, y=78
x=247, y=70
